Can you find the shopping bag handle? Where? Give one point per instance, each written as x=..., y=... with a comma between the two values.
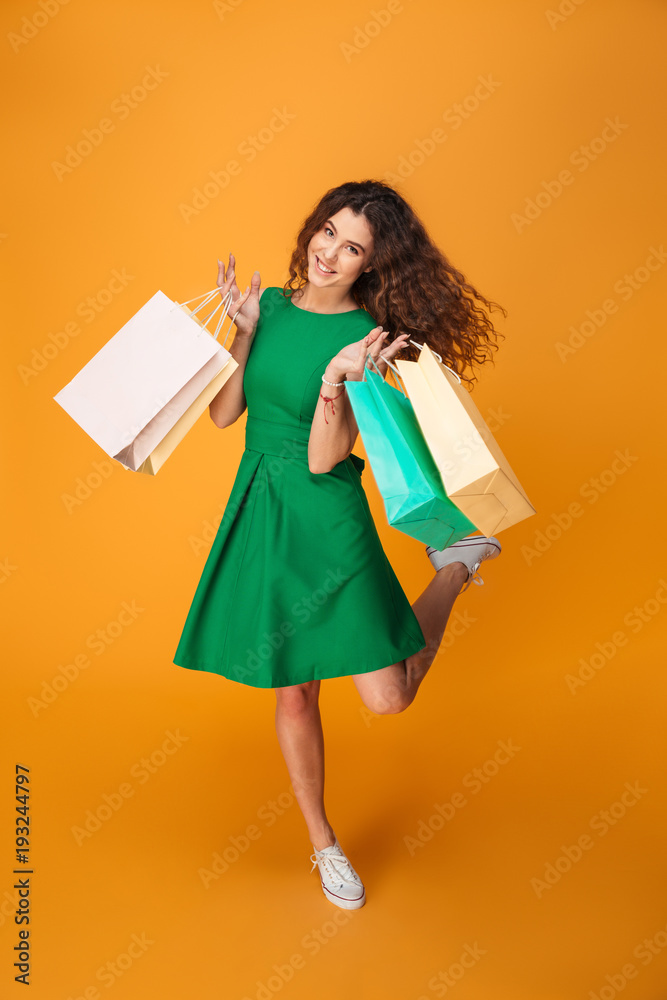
x=395, y=369
x=226, y=302
x=387, y=362
x=420, y=346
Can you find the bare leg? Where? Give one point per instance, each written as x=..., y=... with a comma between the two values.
x=299, y=730
x=391, y=689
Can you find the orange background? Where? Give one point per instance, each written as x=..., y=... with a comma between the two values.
x=363, y=96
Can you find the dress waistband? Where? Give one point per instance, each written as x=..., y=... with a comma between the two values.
x=283, y=440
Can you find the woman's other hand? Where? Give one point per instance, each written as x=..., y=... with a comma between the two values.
x=244, y=308
x=351, y=360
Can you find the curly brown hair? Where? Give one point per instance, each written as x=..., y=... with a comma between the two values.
x=412, y=287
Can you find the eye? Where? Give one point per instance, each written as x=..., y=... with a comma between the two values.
x=328, y=229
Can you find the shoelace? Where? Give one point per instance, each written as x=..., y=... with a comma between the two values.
x=473, y=574
x=474, y=577
x=331, y=870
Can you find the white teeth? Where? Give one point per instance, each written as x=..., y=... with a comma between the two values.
x=329, y=270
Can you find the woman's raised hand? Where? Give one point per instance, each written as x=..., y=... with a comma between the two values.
x=351, y=360
x=244, y=308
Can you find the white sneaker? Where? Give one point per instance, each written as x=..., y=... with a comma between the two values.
x=470, y=551
x=340, y=882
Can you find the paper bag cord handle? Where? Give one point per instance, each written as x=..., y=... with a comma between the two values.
x=420, y=346
x=207, y=298
x=387, y=362
x=396, y=371
x=226, y=301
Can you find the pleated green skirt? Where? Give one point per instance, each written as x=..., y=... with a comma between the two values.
x=296, y=586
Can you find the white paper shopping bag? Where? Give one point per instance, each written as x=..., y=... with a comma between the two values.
x=147, y=377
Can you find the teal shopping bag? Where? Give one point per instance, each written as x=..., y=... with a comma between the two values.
x=407, y=477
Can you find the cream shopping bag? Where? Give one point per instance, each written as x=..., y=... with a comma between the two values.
x=476, y=474
x=144, y=389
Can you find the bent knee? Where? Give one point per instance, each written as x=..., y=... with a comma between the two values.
x=390, y=702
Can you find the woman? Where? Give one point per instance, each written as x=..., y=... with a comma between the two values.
x=296, y=587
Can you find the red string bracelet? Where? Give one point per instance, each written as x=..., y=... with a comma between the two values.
x=330, y=399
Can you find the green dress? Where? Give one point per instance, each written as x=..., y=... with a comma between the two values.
x=296, y=585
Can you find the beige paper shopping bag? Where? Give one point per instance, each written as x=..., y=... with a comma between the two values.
x=163, y=450
x=145, y=388
x=477, y=476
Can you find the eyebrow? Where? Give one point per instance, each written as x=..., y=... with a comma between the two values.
x=330, y=223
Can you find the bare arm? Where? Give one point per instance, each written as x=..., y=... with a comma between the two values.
x=230, y=402
x=333, y=434
x=330, y=440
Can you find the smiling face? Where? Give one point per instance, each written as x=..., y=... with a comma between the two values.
x=340, y=251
